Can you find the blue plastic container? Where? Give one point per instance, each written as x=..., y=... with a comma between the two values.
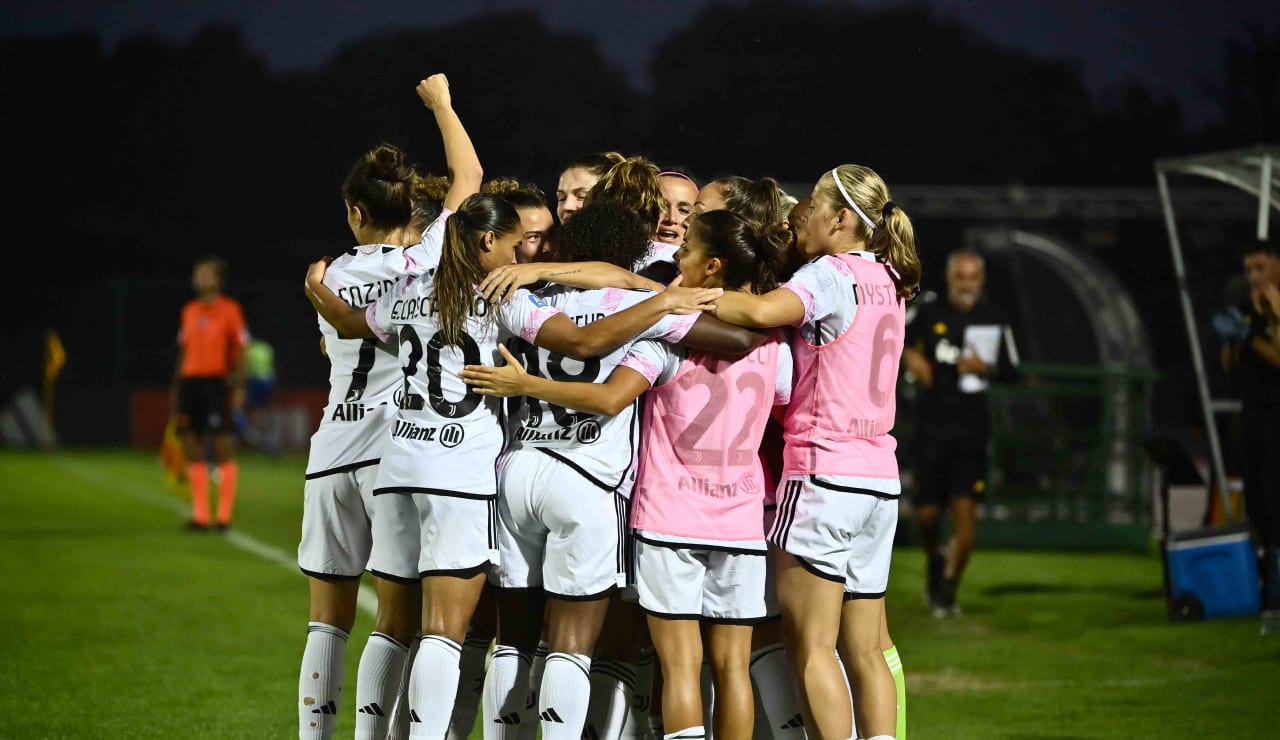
x=1214, y=571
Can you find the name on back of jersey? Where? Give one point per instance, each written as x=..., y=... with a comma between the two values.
x=359, y=296
x=408, y=309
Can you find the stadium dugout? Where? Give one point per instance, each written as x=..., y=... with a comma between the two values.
x=1256, y=171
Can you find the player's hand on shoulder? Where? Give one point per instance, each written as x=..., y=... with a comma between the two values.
x=434, y=92
x=681, y=300
x=501, y=284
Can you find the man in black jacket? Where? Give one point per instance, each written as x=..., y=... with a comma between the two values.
x=1252, y=356
x=955, y=348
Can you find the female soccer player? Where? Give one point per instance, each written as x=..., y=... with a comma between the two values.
x=443, y=534
x=837, y=510
x=680, y=192
x=387, y=203
x=563, y=486
x=698, y=509
x=577, y=179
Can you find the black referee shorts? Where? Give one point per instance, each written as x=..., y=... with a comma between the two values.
x=949, y=469
x=204, y=405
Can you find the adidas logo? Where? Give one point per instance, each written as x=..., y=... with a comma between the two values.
x=329, y=708
x=413, y=716
x=795, y=723
x=371, y=708
x=531, y=700
x=509, y=719
x=550, y=716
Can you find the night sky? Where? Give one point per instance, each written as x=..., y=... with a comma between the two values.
x=1166, y=45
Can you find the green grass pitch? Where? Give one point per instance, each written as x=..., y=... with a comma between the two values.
x=117, y=623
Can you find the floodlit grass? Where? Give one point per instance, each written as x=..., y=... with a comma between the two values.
x=117, y=623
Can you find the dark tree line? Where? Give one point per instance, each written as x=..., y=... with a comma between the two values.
x=157, y=143
x=127, y=165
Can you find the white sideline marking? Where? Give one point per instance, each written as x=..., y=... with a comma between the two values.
x=367, y=599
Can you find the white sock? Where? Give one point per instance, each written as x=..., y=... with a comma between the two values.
x=399, y=729
x=529, y=730
x=320, y=680
x=688, y=733
x=562, y=702
x=637, y=724
x=378, y=683
x=470, y=687
x=509, y=703
x=613, y=684
x=433, y=685
x=776, y=686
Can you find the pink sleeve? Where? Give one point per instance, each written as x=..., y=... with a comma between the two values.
x=677, y=327
x=643, y=365
x=371, y=317
x=806, y=297
x=533, y=322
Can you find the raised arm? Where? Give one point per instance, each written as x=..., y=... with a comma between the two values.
x=502, y=283
x=609, y=398
x=460, y=156
x=778, y=307
x=349, y=322
x=560, y=334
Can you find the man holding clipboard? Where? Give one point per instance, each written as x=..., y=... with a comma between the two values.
x=955, y=348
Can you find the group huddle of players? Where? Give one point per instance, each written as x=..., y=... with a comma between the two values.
x=596, y=462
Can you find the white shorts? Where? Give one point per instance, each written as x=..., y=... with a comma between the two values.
x=337, y=513
x=556, y=530
x=838, y=535
x=700, y=583
x=429, y=534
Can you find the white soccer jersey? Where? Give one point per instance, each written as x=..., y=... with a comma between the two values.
x=365, y=380
x=445, y=438
x=602, y=448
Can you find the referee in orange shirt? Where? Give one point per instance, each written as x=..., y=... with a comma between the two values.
x=208, y=387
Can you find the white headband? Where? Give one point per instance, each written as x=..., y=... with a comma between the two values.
x=836, y=176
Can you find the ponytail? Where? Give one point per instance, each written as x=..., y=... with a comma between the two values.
x=895, y=243
x=460, y=268
x=884, y=226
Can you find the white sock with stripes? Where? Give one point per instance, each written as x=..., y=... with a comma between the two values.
x=320, y=680
x=433, y=685
x=470, y=687
x=378, y=683
x=637, y=724
x=399, y=729
x=613, y=684
x=776, y=686
x=508, y=708
x=562, y=702
x=688, y=733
